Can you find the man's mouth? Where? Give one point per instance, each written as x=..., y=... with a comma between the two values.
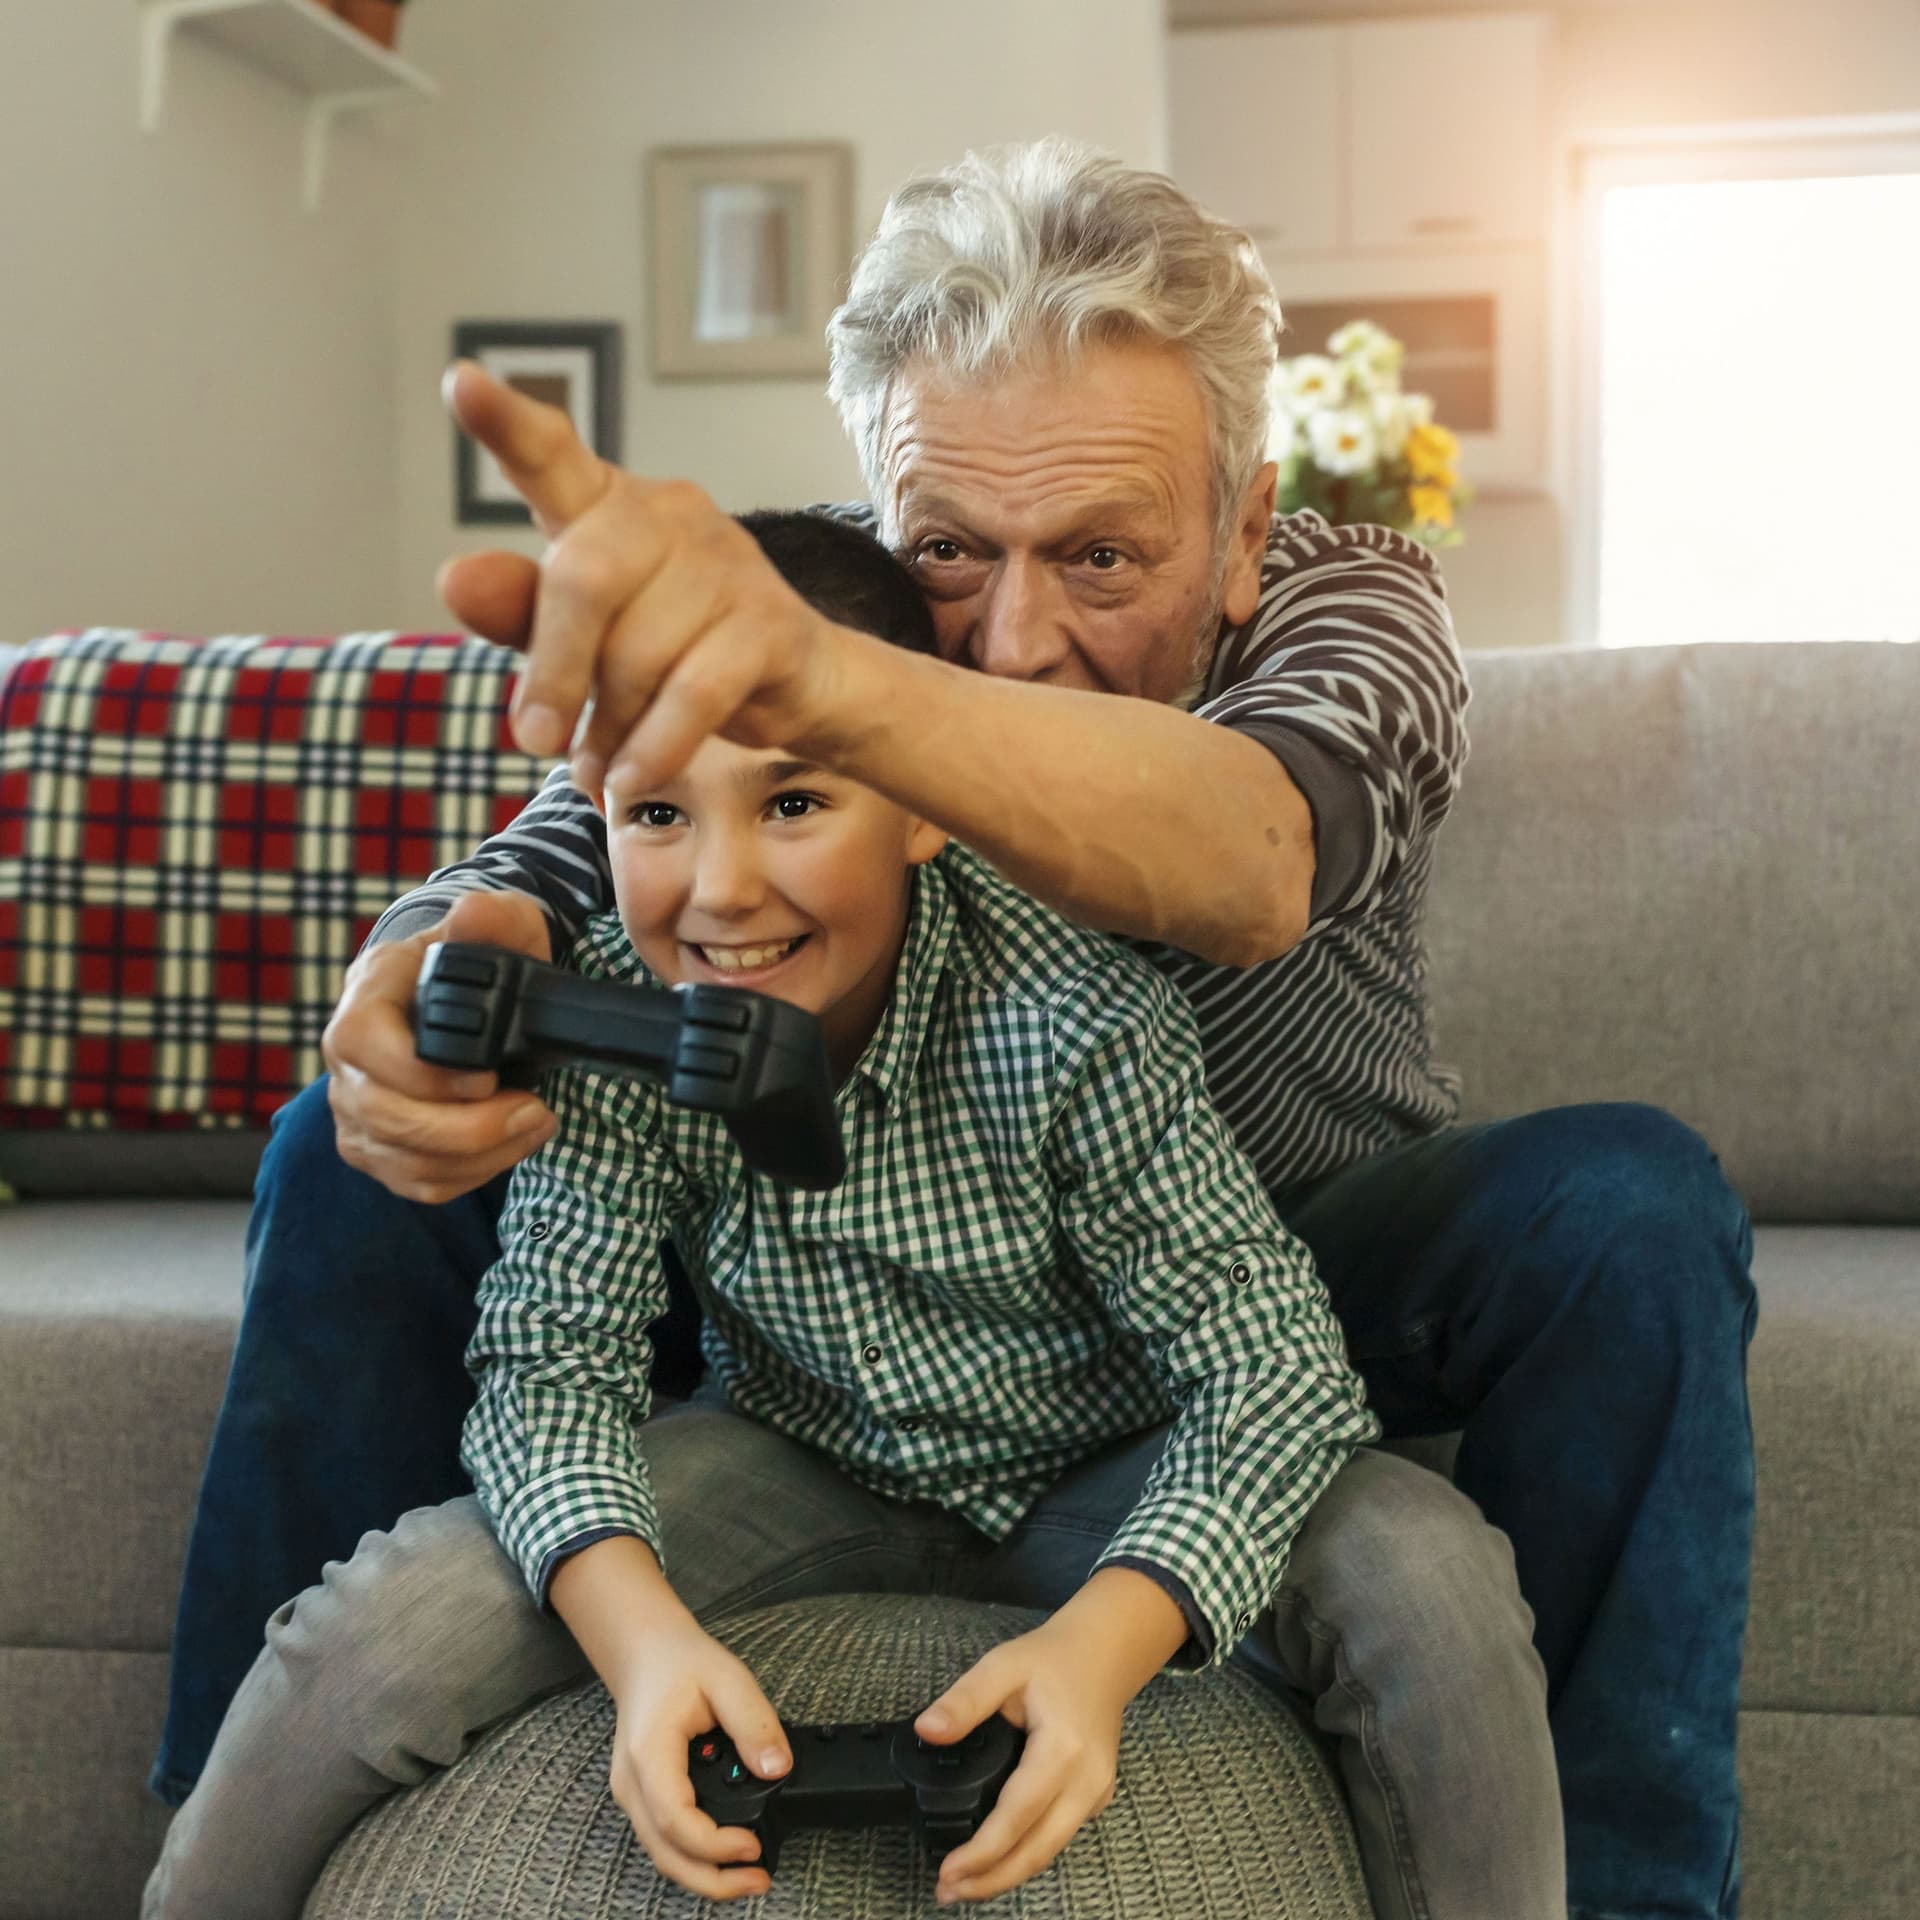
x=756, y=959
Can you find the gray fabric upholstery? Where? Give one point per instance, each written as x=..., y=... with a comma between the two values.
x=1685, y=875
x=79, y=1832
x=1224, y=1807
x=116, y=1324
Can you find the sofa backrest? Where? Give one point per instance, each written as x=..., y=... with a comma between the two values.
x=1691, y=876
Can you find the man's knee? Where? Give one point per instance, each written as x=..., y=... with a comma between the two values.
x=1640, y=1208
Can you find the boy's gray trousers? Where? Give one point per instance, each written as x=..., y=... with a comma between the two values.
x=1399, y=1622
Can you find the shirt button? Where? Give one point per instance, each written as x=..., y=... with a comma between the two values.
x=909, y=1425
x=538, y=1231
x=870, y=1353
x=1244, y=1622
x=1239, y=1273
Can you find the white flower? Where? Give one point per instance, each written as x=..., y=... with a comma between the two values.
x=1419, y=409
x=1344, y=440
x=1393, y=421
x=1313, y=381
x=1373, y=352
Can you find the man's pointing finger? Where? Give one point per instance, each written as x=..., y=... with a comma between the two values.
x=545, y=461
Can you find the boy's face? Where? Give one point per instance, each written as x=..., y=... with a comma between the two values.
x=754, y=869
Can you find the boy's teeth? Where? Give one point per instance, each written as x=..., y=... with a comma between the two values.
x=745, y=959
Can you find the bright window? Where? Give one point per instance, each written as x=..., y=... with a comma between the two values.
x=1757, y=412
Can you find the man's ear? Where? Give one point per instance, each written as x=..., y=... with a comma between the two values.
x=924, y=840
x=1240, y=590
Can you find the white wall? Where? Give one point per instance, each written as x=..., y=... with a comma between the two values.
x=193, y=376
x=221, y=414
x=527, y=198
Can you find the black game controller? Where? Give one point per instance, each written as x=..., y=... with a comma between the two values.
x=864, y=1774
x=756, y=1061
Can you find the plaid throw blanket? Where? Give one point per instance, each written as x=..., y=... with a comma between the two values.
x=195, y=837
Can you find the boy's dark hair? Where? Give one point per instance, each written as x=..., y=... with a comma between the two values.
x=845, y=574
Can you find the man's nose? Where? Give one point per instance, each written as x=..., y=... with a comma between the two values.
x=1023, y=628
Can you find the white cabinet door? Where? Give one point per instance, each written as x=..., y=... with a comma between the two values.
x=1254, y=120
x=1445, y=131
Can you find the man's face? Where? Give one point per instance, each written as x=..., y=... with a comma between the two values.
x=1060, y=522
x=754, y=869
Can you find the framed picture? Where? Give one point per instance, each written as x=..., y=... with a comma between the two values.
x=750, y=251
x=571, y=365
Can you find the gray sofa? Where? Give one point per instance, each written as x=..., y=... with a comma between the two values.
x=1685, y=876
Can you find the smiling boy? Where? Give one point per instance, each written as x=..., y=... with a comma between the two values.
x=1047, y=1343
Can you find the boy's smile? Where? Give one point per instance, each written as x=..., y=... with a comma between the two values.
x=754, y=869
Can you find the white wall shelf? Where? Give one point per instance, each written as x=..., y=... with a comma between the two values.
x=299, y=43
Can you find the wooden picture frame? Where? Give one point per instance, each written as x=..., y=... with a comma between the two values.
x=749, y=252
x=574, y=365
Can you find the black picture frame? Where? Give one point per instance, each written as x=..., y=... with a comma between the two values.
x=576, y=364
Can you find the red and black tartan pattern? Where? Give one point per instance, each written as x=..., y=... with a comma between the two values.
x=196, y=836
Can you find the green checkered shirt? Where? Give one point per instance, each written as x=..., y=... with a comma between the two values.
x=1046, y=1240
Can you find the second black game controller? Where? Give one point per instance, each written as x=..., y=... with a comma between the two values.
x=860, y=1774
x=756, y=1061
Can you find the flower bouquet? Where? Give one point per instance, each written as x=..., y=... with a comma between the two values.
x=1353, y=447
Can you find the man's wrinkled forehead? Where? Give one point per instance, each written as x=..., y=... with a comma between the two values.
x=1092, y=437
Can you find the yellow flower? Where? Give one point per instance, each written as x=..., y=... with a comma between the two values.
x=1430, y=452
x=1432, y=506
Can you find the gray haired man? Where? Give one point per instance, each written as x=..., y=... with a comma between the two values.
x=1055, y=369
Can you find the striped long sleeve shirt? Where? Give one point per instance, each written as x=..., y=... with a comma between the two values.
x=1349, y=673
x=1046, y=1240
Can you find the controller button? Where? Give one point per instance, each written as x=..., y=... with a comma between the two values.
x=730, y=1016
x=736, y=1772
x=1240, y=1273
x=870, y=1353
x=709, y=1749
x=715, y=1062
x=469, y=969
x=448, y=1016
x=826, y=1733
x=872, y=1730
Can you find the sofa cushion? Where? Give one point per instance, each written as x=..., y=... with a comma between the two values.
x=1685, y=875
x=117, y=1321
x=195, y=837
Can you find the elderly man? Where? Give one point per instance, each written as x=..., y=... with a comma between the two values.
x=1055, y=370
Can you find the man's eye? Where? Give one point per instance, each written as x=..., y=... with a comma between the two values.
x=939, y=549
x=654, y=813
x=1104, y=559
x=795, y=806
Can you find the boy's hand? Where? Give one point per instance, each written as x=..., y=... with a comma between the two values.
x=1063, y=1688
x=424, y=1132
x=648, y=597
x=684, y=1682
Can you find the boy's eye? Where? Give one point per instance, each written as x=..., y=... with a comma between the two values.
x=795, y=806
x=653, y=813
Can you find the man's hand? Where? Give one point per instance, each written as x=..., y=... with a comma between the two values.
x=648, y=597
x=678, y=1682
x=425, y=1132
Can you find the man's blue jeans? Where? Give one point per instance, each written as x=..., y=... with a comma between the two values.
x=1569, y=1290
